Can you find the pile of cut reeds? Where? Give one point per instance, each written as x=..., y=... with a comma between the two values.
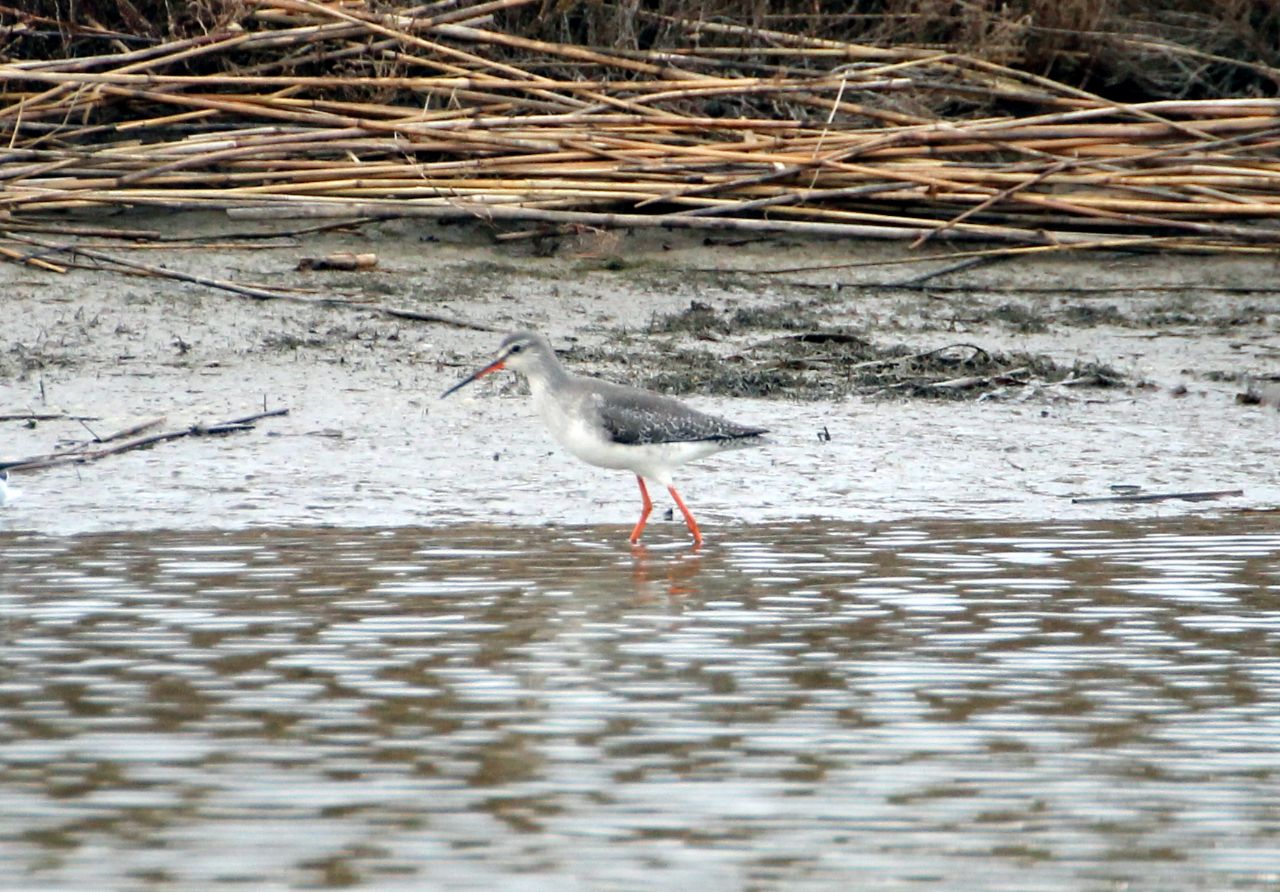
x=299, y=108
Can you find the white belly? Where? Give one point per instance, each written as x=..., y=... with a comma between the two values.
x=576, y=430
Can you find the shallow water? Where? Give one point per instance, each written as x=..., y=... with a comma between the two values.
x=799, y=706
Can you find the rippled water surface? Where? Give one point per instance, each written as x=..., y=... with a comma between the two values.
x=948, y=706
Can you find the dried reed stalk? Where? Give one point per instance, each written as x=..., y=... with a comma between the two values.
x=437, y=111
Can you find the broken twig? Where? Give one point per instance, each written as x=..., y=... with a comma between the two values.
x=1201, y=496
x=57, y=459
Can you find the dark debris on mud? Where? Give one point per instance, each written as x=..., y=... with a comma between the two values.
x=791, y=354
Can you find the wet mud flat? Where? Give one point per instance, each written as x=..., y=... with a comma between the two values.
x=895, y=386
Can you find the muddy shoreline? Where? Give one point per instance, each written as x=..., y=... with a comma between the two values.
x=1063, y=377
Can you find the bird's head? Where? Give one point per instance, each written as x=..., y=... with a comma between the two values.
x=526, y=352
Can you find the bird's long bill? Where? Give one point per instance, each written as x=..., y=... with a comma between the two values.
x=491, y=367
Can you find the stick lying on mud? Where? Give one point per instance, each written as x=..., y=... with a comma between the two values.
x=1202, y=496
x=32, y=415
x=249, y=291
x=85, y=455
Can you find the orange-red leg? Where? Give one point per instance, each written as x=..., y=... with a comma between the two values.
x=644, y=511
x=688, y=516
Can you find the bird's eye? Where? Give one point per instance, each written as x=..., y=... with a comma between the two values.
x=516, y=348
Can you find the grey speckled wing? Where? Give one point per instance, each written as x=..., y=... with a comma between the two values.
x=634, y=417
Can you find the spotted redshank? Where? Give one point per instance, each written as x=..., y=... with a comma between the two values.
x=614, y=426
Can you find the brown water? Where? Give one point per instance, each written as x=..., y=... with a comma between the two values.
x=798, y=706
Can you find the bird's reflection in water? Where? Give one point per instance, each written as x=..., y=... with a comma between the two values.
x=658, y=572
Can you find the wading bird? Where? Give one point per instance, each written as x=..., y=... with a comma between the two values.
x=614, y=426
